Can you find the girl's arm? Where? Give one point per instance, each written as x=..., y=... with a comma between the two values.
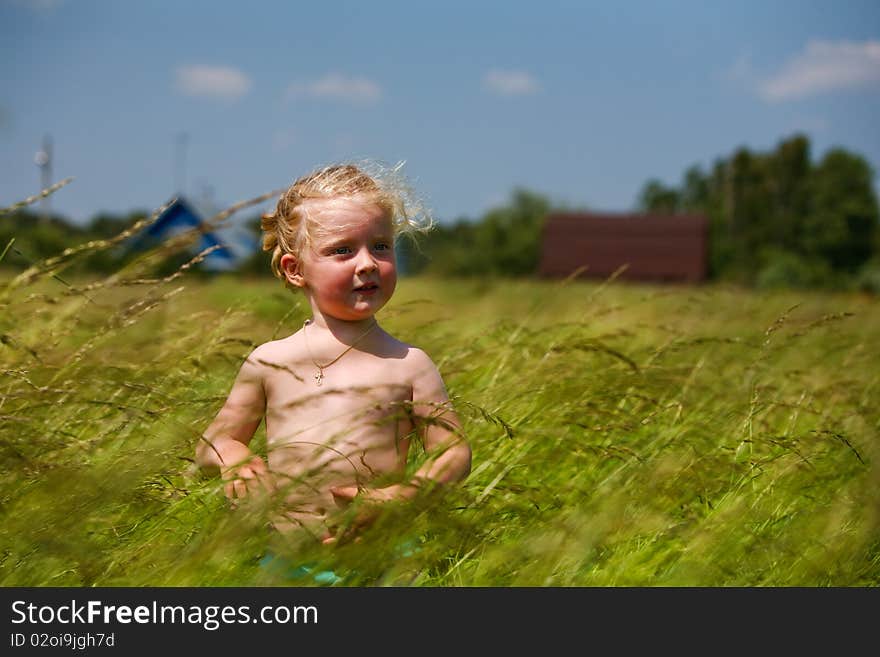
x=449, y=455
x=223, y=448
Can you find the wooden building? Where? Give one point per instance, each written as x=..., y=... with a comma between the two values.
x=652, y=247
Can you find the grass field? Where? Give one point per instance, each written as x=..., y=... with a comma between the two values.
x=622, y=435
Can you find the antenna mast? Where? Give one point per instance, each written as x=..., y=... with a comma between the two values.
x=43, y=159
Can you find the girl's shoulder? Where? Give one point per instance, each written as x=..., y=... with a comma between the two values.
x=391, y=347
x=279, y=350
x=418, y=362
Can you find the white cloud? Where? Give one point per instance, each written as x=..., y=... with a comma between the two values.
x=334, y=86
x=822, y=67
x=510, y=83
x=212, y=81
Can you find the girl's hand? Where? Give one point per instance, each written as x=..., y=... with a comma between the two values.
x=251, y=477
x=370, y=502
x=344, y=495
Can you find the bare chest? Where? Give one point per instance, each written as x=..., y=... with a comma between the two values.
x=357, y=419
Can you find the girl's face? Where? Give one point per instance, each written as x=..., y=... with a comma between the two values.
x=349, y=272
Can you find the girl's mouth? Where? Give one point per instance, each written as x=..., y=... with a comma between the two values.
x=367, y=289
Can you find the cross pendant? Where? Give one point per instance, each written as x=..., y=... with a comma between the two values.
x=319, y=377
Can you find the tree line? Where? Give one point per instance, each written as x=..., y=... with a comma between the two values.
x=776, y=218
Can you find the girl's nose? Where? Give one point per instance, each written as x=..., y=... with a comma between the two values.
x=365, y=262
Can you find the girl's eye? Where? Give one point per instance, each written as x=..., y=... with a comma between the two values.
x=341, y=250
x=382, y=246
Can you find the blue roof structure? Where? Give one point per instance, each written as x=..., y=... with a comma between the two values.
x=180, y=217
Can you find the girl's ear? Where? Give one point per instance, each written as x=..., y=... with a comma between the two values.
x=290, y=267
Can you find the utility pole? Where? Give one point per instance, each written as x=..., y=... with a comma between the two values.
x=206, y=201
x=43, y=159
x=180, y=163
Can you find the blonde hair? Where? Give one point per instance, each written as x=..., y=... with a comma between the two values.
x=290, y=228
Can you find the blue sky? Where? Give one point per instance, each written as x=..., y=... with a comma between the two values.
x=581, y=101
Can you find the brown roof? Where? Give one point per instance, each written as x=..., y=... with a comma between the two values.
x=653, y=247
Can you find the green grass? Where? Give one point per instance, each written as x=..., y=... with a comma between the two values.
x=622, y=435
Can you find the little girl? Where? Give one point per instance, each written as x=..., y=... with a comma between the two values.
x=342, y=398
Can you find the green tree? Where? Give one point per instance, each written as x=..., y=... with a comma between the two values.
x=842, y=224
x=36, y=237
x=695, y=190
x=506, y=241
x=790, y=171
x=657, y=197
x=509, y=237
x=776, y=218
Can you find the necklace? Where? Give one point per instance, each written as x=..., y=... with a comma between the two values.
x=319, y=376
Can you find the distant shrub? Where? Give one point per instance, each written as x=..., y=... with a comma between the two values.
x=868, y=278
x=783, y=269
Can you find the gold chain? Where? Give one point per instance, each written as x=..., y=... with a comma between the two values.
x=319, y=377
